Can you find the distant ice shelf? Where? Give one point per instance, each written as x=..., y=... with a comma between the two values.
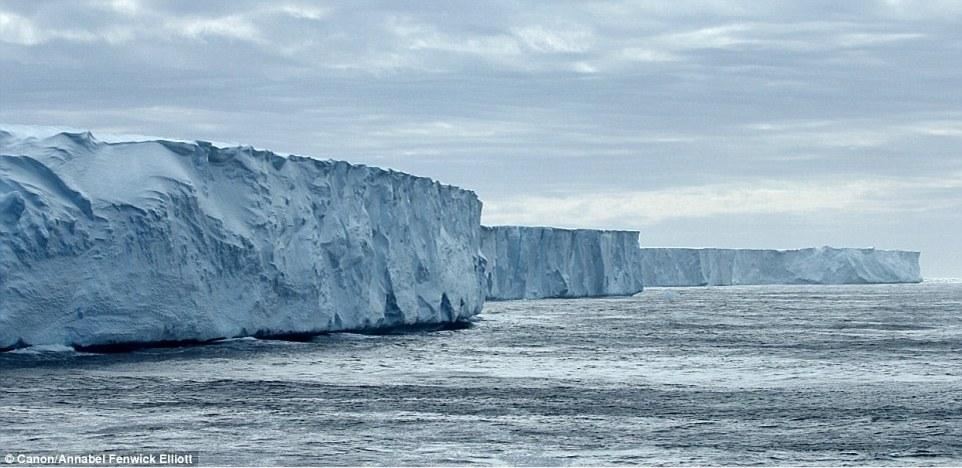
x=542, y=262
x=824, y=265
x=158, y=241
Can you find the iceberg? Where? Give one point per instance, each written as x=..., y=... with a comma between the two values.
x=823, y=265
x=105, y=243
x=544, y=262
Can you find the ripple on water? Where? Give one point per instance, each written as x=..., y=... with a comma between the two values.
x=808, y=375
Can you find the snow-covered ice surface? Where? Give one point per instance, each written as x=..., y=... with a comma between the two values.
x=154, y=241
x=823, y=265
x=543, y=262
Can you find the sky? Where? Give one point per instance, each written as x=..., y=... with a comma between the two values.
x=699, y=124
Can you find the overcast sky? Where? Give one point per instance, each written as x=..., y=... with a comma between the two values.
x=715, y=123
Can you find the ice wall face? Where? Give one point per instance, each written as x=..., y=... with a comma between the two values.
x=825, y=265
x=541, y=262
x=161, y=241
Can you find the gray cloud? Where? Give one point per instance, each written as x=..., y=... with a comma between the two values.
x=702, y=123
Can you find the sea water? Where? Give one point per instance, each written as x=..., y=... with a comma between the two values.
x=813, y=375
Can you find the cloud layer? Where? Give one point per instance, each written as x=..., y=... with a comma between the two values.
x=671, y=117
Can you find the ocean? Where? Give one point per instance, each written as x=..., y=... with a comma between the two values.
x=774, y=375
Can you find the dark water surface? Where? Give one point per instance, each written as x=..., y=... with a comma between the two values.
x=773, y=375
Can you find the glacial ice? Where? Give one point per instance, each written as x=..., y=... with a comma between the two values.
x=155, y=241
x=824, y=265
x=542, y=262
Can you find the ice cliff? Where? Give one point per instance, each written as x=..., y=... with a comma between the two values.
x=157, y=241
x=824, y=265
x=542, y=262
